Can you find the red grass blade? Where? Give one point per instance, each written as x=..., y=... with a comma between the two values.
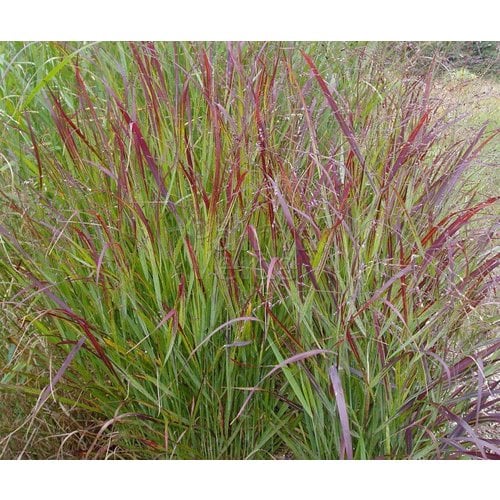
x=194, y=262
x=409, y=146
x=460, y=221
x=301, y=254
x=72, y=316
x=140, y=141
x=344, y=126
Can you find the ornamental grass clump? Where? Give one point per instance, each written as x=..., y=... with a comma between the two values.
x=243, y=250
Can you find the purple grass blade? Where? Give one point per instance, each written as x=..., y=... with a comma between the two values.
x=454, y=372
x=99, y=261
x=406, y=270
x=462, y=365
x=480, y=384
x=440, y=360
x=342, y=407
x=272, y=264
x=49, y=389
x=469, y=430
x=167, y=316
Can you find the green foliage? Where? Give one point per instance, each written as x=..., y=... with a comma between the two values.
x=231, y=250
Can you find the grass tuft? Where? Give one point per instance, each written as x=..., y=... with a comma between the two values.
x=232, y=251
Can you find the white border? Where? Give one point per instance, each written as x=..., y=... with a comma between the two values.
x=247, y=480
x=248, y=20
